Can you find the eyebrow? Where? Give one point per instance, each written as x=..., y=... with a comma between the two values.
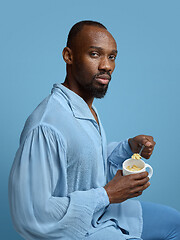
x=100, y=48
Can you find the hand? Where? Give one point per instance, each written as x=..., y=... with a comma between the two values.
x=121, y=188
x=137, y=142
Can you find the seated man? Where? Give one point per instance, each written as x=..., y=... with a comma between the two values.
x=65, y=182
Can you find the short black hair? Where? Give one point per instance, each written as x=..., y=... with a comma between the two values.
x=76, y=28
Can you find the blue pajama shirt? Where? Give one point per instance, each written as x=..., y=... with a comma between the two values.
x=59, y=171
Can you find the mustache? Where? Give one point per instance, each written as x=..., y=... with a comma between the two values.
x=105, y=75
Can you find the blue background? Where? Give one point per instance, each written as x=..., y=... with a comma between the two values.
x=143, y=97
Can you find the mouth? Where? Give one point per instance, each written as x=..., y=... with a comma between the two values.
x=103, y=79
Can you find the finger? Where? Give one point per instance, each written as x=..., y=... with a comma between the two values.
x=147, y=152
x=138, y=176
x=137, y=194
x=142, y=181
x=146, y=155
x=138, y=183
x=148, y=141
x=141, y=188
x=148, y=149
x=119, y=172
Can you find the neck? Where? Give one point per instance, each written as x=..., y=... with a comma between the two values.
x=79, y=91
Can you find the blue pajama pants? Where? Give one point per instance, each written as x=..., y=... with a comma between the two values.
x=159, y=223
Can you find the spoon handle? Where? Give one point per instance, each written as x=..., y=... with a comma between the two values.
x=141, y=149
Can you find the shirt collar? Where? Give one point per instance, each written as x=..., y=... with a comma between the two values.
x=78, y=106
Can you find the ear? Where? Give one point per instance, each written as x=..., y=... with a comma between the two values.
x=67, y=55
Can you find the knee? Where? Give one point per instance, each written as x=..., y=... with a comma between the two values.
x=165, y=221
x=174, y=221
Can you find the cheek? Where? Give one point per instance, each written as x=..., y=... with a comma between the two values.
x=82, y=71
x=85, y=67
x=90, y=65
x=113, y=64
x=113, y=68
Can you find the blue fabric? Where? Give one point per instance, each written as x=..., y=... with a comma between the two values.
x=160, y=222
x=57, y=178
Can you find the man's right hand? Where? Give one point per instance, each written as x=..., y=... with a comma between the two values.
x=121, y=188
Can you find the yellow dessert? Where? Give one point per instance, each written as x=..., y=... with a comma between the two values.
x=133, y=168
x=136, y=156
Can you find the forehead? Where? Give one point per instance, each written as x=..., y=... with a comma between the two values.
x=95, y=36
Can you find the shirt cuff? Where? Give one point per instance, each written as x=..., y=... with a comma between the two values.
x=120, y=153
x=103, y=199
x=127, y=148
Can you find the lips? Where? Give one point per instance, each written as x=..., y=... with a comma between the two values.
x=103, y=79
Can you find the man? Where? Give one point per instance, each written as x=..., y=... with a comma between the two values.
x=65, y=182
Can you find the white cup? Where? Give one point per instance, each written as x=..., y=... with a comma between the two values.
x=139, y=163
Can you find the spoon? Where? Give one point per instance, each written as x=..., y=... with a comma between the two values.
x=141, y=149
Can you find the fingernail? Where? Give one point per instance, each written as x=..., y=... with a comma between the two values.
x=148, y=144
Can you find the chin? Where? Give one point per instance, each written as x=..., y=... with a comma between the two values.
x=100, y=92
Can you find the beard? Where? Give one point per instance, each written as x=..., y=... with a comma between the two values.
x=97, y=91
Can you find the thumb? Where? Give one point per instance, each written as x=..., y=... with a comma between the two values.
x=119, y=172
x=146, y=142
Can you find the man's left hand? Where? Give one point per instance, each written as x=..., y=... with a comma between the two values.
x=137, y=142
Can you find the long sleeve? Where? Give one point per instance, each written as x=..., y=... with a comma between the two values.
x=118, y=152
x=41, y=207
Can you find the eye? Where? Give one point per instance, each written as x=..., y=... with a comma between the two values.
x=94, y=54
x=112, y=57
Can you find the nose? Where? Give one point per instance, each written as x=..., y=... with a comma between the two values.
x=105, y=65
